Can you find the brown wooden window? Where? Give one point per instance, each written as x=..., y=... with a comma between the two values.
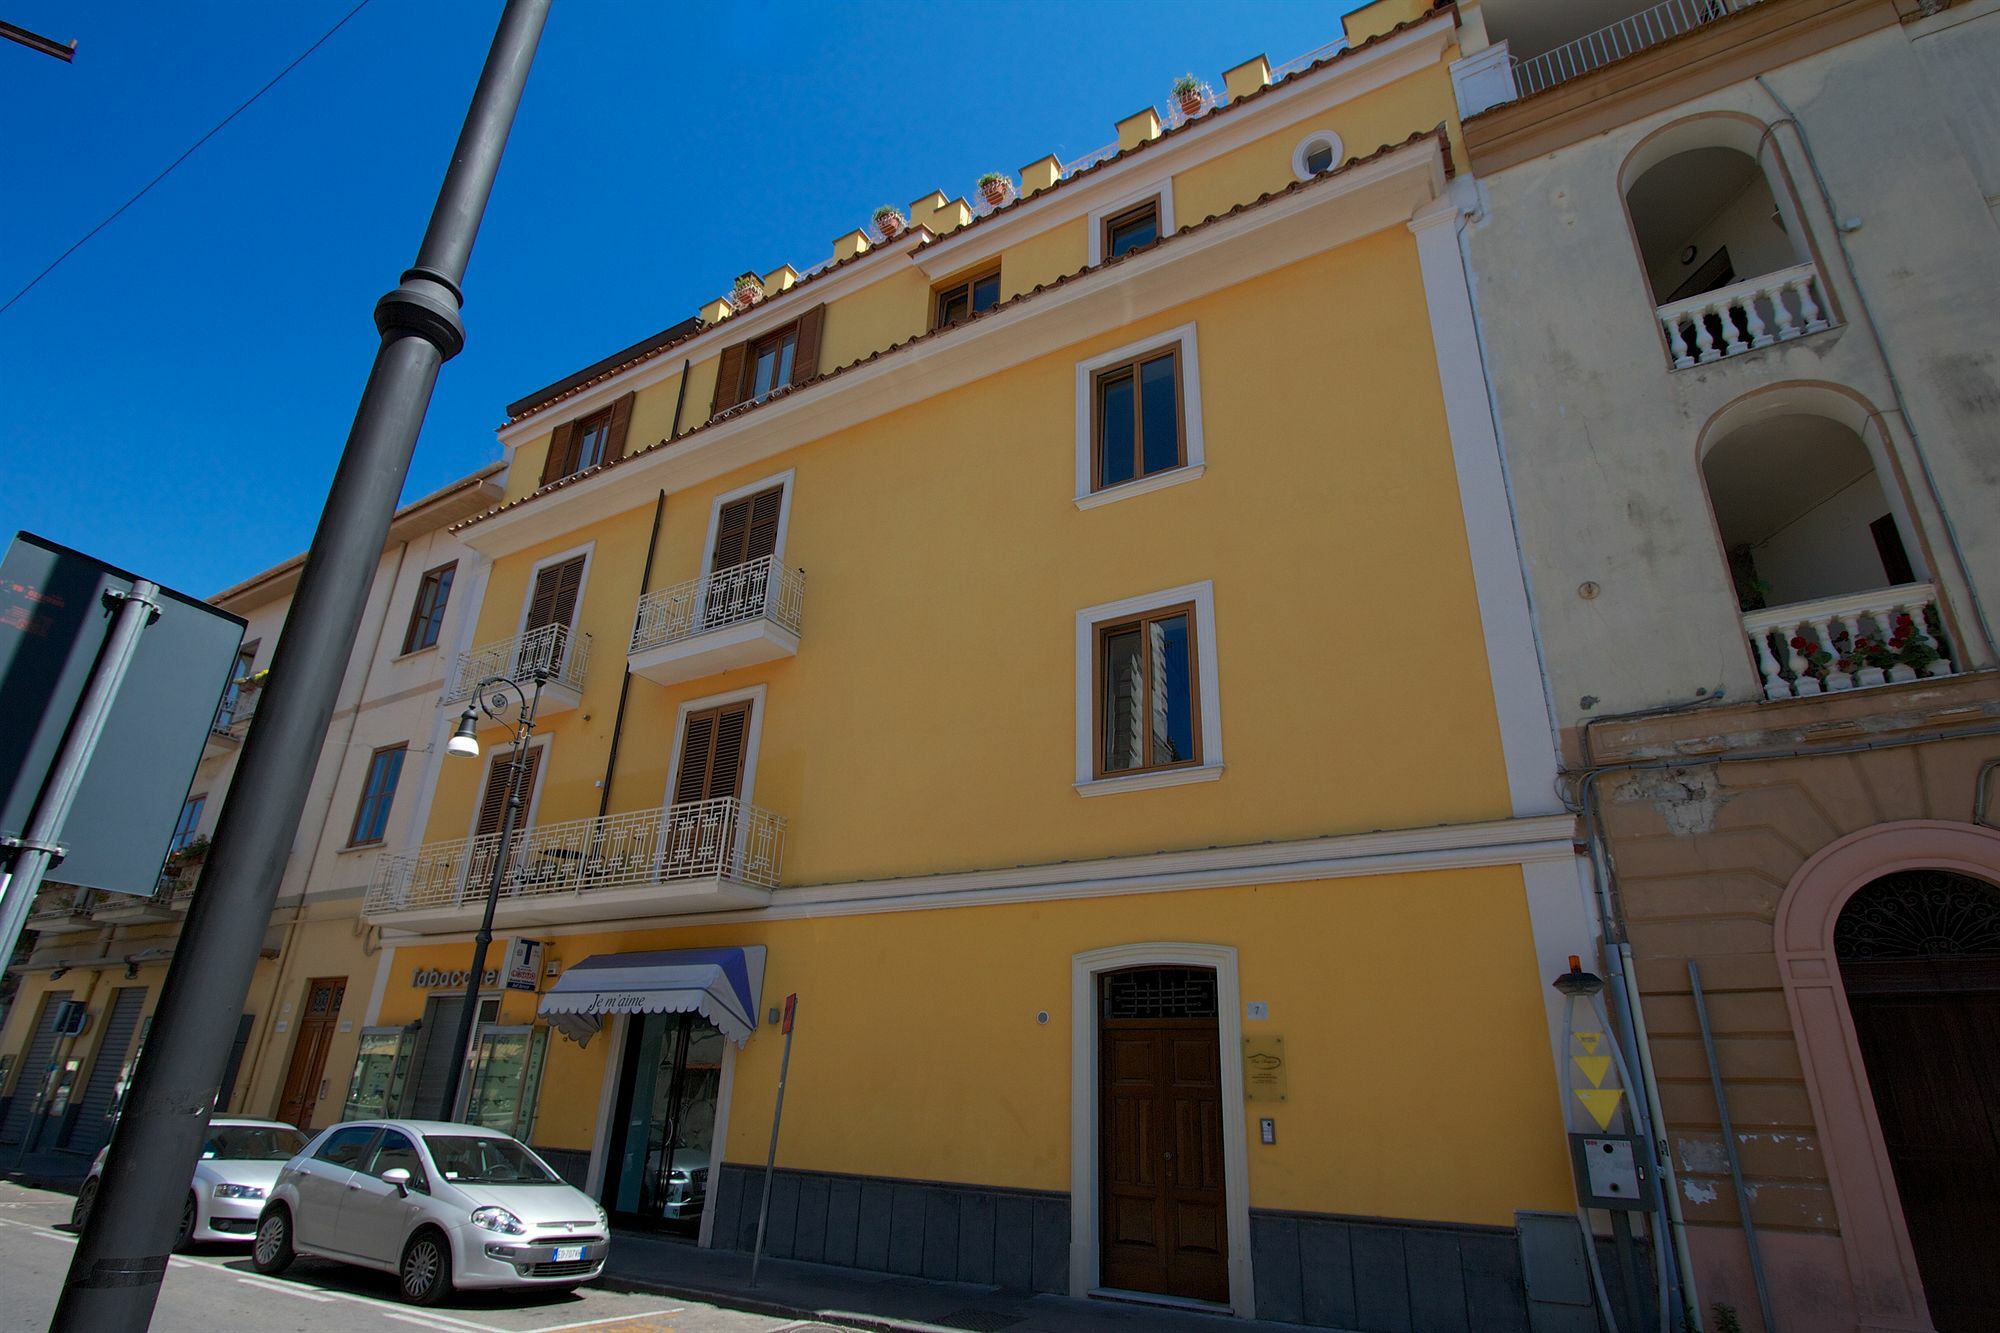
x=1145, y=671
x=554, y=599
x=713, y=746
x=493, y=801
x=427, y=612
x=378, y=795
x=1128, y=230
x=1136, y=426
x=588, y=442
x=752, y=370
x=747, y=529
x=962, y=300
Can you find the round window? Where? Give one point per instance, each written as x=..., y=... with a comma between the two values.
x=1317, y=152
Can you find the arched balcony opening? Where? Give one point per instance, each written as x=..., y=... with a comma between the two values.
x=1723, y=251
x=1831, y=586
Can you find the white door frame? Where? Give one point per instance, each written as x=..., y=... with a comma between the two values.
x=1084, y=1093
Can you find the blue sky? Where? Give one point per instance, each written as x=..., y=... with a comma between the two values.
x=177, y=393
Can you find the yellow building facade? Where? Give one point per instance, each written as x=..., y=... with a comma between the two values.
x=1072, y=642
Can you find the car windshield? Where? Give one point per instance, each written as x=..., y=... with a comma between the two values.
x=466, y=1159
x=252, y=1143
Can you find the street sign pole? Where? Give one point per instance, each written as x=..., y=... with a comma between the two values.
x=29, y=857
x=777, y=1118
x=115, y=1272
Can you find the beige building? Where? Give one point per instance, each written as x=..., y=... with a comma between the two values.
x=1737, y=275
x=108, y=953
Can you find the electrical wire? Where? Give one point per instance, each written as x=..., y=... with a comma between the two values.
x=145, y=189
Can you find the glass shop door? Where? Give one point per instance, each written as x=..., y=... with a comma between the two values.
x=664, y=1131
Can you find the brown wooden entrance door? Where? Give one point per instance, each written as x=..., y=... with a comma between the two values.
x=1920, y=960
x=308, y=1068
x=1160, y=1184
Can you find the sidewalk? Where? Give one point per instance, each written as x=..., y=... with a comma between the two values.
x=48, y=1169
x=859, y=1299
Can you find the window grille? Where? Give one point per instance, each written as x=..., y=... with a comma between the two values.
x=1920, y=914
x=1160, y=992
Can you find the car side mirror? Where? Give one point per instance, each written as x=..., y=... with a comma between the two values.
x=400, y=1178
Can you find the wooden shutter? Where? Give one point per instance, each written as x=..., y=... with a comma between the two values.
x=621, y=422
x=747, y=529
x=697, y=745
x=554, y=602
x=712, y=750
x=805, y=354
x=729, y=377
x=561, y=445
x=493, y=801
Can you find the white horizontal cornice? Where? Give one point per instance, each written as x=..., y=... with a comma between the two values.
x=1504, y=842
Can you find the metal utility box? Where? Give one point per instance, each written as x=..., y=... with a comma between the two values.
x=1612, y=1171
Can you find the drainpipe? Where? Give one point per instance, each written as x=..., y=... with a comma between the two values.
x=1888, y=369
x=625, y=686
x=673, y=431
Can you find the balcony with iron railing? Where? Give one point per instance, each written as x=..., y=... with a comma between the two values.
x=232, y=719
x=167, y=902
x=731, y=618
x=560, y=651
x=1615, y=41
x=701, y=856
x=1885, y=637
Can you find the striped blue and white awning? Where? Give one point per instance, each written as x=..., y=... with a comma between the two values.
x=722, y=985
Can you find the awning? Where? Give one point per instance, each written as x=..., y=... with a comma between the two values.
x=722, y=985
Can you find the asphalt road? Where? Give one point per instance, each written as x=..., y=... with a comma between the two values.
x=215, y=1289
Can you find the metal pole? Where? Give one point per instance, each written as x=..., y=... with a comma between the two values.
x=461, y=1045
x=39, y=846
x=114, y=1275
x=1729, y=1148
x=771, y=1157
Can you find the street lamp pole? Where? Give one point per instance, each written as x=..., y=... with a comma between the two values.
x=494, y=706
x=119, y=1260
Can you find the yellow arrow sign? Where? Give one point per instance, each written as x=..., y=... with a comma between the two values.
x=1590, y=1041
x=1602, y=1103
x=1593, y=1067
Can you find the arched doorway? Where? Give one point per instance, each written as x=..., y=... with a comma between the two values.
x=1919, y=956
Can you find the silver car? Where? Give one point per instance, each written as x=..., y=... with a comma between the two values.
x=240, y=1161
x=440, y=1205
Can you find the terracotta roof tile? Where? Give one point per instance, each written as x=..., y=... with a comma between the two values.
x=1438, y=133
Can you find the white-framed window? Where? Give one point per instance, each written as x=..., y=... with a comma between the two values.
x=749, y=523
x=1121, y=222
x=489, y=811
x=1317, y=152
x=1138, y=418
x=1148, y=699
x=721, y=776
x=556, y=585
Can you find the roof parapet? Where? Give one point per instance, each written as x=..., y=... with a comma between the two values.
x=1137, y=128
x=1246, y=78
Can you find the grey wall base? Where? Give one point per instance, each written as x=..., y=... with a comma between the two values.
x=1374, y=1275
x=948, y=1233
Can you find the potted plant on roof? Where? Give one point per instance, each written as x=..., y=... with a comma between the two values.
x=993, y=186
x=1188, y=92
x=889, y=221
x=749, y=291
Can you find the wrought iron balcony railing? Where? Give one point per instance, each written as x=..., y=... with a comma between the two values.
x=557, y=649
x=733, y=596
x=720, y=839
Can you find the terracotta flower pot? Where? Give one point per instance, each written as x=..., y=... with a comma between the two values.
x=1190, y=104
x=890, y=227
x=995, y=192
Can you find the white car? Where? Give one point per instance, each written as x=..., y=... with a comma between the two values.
x=240, y=1161
x=440, y=1205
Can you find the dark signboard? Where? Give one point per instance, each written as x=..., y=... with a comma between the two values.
x=54, y=616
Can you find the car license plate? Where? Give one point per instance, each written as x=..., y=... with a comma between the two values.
x=568, y=1253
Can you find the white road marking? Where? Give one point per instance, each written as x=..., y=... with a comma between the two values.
x=327, y=1294
x=285, y=1288
x=56, y=1235
x=422, y=1322
x=613, y=1319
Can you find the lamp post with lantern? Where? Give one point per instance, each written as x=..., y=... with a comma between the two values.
x=513, y=704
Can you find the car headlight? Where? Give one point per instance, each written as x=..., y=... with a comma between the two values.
x=239, y=1191
x=498, y=1219
x=603, y=1218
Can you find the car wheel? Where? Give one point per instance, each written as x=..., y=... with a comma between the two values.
x=425, y=1273
x=273, y=1253
x=85, y=1199
x=186, y=1228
